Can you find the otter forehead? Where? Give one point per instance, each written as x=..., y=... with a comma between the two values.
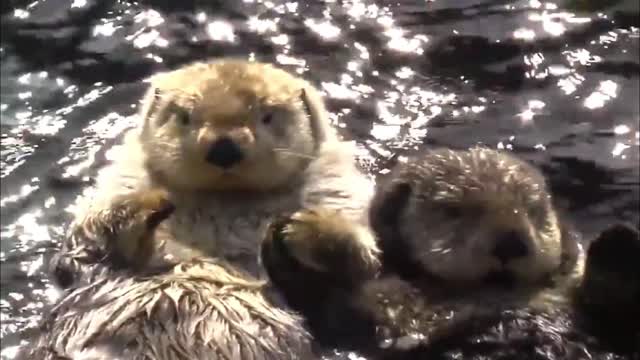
x=248, y=82
x=479, y=175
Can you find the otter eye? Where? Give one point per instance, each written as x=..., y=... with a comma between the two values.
x=181, y=114
x=183, y=117
x=267, y=118
x=537, y=214
x=452, y=211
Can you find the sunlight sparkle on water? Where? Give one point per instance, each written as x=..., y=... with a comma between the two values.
x=78, y=3
x=25, y=95
x=339, y=91
x=535, y=4
x=106, y=29
x=404, y=73
x=618, y=149
x=24, y=78
x=151, y=17
x=145, y=39
x=621, y=130
x=325, y=29
x=21, y=14
x=581, y=56
x=558, y=70
x=358, y=10
x=527, y=115
x=28, y=229
x=10, y=352
x=524, y=34
x=262, y=25
x=597, y=99
x=281, y=39
x=570, y=84
x=289, y=60
x=25, y=190
x=364, y=52
x=552, y=22
x=220, y=30
x=401, y=43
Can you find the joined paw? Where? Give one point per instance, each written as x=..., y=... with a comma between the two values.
x=322, y=241
x=132, y=221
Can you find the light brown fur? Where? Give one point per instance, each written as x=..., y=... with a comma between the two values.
x=293, y=164
x=229, y=99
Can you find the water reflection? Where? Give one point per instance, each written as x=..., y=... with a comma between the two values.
x=599, y=98
x=325, y=29
x=533, y=108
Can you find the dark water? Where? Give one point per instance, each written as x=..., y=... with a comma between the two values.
x=557, y=82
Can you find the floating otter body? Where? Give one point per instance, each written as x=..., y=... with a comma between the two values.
x=198, y=309
x=232, y=144
x=476, y=264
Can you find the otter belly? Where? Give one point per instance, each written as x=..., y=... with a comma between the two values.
x=221, y=227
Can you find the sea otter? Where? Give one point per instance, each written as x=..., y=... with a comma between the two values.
x=234, y=143
x=476, y=262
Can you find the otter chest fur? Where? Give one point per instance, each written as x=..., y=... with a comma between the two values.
x=228, y=226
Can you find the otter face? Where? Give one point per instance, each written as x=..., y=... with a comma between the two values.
x=471, y=216
x=230, y=125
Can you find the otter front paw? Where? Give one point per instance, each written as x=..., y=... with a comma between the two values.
x=133, y=220
x=325, y=242
x=611, y=281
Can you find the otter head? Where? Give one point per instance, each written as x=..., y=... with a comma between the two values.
x=470, y=216
x=231, y=125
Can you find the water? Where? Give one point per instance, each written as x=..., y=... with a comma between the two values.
x=556, y=82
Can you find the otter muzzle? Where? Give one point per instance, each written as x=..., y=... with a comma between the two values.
x=509, y=246
x=224, y=153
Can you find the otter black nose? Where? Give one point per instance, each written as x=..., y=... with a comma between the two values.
x=510, y=245
x=224, y=153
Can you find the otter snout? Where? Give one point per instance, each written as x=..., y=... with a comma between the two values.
x=510, y=245
x=224, y=153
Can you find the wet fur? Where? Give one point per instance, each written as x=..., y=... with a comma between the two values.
x=446, y=207
x=196, y=310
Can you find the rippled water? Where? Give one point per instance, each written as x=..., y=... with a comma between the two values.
x=556, y=82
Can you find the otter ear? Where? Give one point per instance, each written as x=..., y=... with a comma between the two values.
x=151, y=105
x=387, y=206
x=315, y=109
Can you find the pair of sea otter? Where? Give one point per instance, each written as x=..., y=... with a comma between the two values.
x=162, y=260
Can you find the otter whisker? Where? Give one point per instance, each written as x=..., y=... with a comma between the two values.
x=293, y=153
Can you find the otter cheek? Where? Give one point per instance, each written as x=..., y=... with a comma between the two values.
x=204, y=139
x=243, y=136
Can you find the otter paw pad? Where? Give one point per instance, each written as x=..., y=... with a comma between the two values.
x=135, y=218
x=325, y=241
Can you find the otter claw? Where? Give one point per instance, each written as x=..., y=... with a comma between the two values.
x=159, y=215
x=323, y=242
x=134, y=223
